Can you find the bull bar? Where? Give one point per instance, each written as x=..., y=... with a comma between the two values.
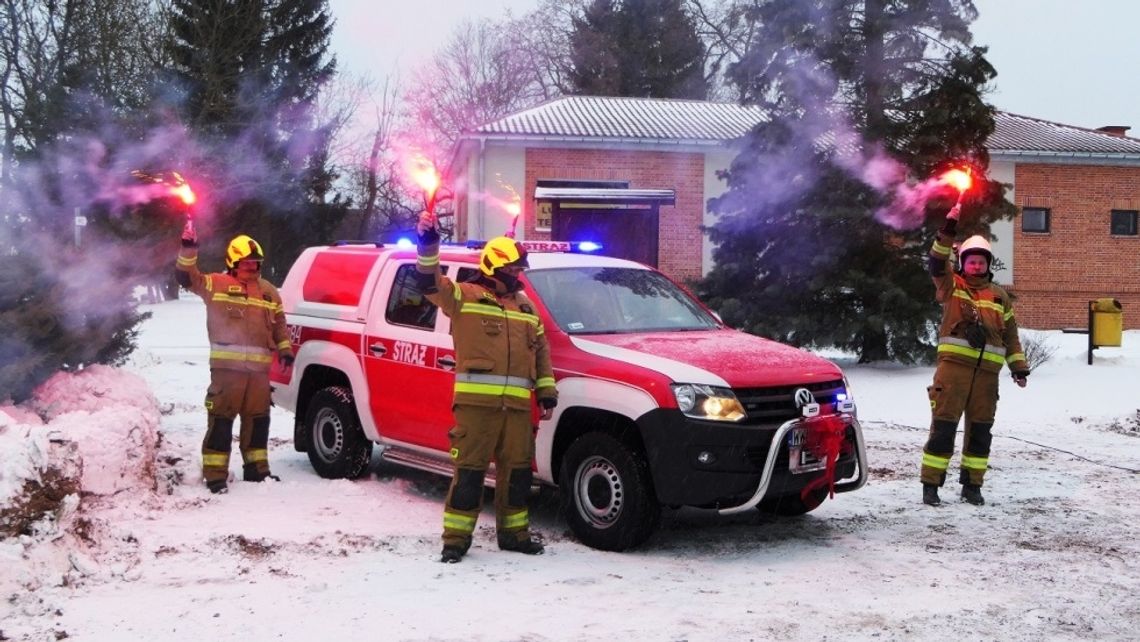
x=774, y=451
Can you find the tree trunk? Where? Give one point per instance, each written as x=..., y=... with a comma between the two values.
x=873, y=346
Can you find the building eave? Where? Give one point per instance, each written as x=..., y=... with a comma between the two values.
x=1065, y=157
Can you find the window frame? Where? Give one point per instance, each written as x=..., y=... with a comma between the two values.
x=1134, y=214
x=404, y=283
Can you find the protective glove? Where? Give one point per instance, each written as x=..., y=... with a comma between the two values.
x=189, y=235
x=1020, y=377
x=547, y=404
x=426, y=230
x=287, y=360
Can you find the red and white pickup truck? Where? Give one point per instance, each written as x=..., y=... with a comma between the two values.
x=659, y=405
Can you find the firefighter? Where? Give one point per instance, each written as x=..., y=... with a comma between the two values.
x=501, y=357
x=246, y=325
x=977, y=336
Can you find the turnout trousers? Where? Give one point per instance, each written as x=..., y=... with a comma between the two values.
x=234, y=393
x=480, y=435
x=959, y=388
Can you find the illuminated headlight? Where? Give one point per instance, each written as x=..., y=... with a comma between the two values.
x=708, y=402
x=845, y=401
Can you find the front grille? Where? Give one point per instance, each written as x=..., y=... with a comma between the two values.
x=757, y=455
x=777, y=404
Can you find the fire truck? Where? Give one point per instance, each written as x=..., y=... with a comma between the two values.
x=660, y=404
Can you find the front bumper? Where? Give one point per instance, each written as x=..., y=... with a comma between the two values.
x=732, y=466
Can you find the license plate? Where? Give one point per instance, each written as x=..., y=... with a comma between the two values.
x=800, y=459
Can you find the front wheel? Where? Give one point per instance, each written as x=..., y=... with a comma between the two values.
x=338, y=448
x=607, y=492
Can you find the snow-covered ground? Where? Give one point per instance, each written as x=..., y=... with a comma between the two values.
x=149, y=554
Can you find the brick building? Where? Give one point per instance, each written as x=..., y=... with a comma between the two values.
x=647, y=167
x=1075, y=237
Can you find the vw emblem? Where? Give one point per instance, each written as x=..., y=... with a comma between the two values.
x=803, y=397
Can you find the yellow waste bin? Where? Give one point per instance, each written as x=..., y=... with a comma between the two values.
x=1107, y=322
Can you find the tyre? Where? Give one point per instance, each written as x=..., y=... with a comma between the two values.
x=607, y=493
x=794, y=505
x=338, y=448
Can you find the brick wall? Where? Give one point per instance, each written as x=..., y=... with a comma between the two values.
x=679, y=235
x=1057, y=273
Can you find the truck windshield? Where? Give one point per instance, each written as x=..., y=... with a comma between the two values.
x=593, y=300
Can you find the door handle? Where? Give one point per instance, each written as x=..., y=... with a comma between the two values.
x=446, y=362
x=378, y=349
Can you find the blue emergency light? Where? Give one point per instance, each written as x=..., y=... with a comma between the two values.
x=577, y=247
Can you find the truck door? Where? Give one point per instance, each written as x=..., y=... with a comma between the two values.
x=409, y=362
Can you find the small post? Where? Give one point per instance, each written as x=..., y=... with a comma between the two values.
x=80, y=223
x=1090, y=327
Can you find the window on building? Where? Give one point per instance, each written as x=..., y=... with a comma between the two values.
x=1035, y=219
x=1123, y=223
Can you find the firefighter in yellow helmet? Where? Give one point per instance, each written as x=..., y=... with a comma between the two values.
x=501, y=358
x=246, y=326
x=978, y=335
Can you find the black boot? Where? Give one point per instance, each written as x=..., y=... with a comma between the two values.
x=973, y=493
x=250, y=473
x=930, y=495
x=520, y=543
x=452, y=554
x=218, y=486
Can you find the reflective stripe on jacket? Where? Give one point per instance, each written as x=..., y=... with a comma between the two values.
x=245, y=321
x=969, y=300
x=501, y=351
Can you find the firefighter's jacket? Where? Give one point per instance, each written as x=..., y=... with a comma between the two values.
x=973, y=301
x=501, y=351
x=245, y=320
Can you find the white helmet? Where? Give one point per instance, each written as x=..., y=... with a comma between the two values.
x=976, y=244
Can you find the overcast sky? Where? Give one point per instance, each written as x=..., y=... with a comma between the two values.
x=1072, y=62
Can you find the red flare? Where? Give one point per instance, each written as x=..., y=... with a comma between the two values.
x=959, y=179
x=423, y=172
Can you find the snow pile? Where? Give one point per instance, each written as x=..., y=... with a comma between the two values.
x=84, y=435
x=99, y=439
x=112, y=418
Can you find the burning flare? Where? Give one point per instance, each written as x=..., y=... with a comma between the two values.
x=515, y=210
x=172, y=182
x=958, y=178
x=423, y=172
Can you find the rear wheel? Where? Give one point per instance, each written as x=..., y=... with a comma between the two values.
x=793, y=505
x=338, y=448
x=607, y=493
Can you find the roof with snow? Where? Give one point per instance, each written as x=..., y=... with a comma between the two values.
x=659, y=120
x=1016, y=134
x=640, y=119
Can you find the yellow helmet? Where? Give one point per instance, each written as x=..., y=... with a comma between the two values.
x=242, y=248
x=500, y=252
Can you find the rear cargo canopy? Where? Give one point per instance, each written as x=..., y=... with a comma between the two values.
x=338, y=277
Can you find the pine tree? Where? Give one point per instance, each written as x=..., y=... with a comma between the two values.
x=250, y=71
x=642, y=48
x=818, y=243
x=60, y=319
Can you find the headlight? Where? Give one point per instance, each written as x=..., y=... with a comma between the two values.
x=845, y=401
x=708, y=402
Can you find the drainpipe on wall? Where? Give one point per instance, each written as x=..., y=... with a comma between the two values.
x=482, y=171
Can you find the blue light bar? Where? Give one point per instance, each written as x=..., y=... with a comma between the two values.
x=589, y=246
x=405, y=243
